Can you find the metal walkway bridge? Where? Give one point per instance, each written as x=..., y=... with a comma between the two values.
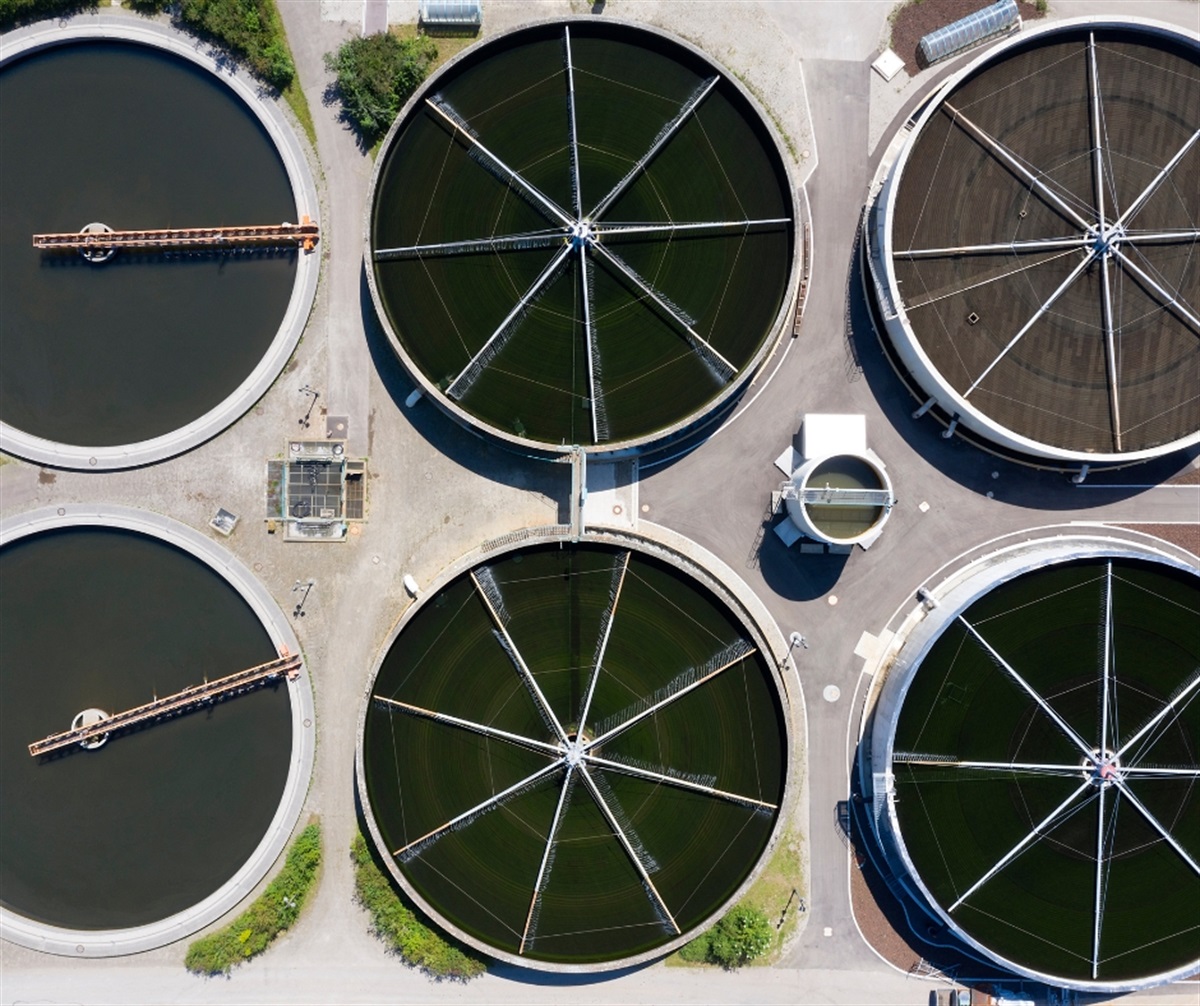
x=836, y=496
x=172, y=705
x=100, y=239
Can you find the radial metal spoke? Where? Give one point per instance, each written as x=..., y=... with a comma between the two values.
x=1045, y=706
x=603, y=644
x=490, y=802
x=589, y=339
x=1031, y=245
x=699, y=343
x=1075, y=274
x=479, y=728
x=530, y=191
x=1011, y=161
x=660, y=141
x=506, y=242
x=1097, y=911
x=1097, y=162
x=1049, y=768
x=519, y=661
x=626, y=845
x=470, y=372
x=571, y=118
x=1158, y=717
x=543, y=868
x=1150, y=189
x=650, y=710
x=1152, y=771
x=1110, y=346
x=620, y=230
x=1106, y=670
x=1154, y=823
x=1169, y=300
x=1017, y=849
x=1164, y=237
x=673, y=780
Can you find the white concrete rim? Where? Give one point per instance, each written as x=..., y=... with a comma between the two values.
x=954, y=595
x=92, y=27
x=708, y=412
x=689, y=557
x=115, y=942
x=899, y=328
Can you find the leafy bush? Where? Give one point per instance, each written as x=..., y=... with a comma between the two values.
x=743, y=934
x=251, y=28
x=376, y=75
x=271, y=913
x=396, y=924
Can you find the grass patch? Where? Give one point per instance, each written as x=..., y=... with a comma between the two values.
x=448, y=46
x=275, y=910
x=293, y=94
x=398, y=926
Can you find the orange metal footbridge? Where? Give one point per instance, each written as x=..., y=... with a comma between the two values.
x=304, y=235
x=172, y=705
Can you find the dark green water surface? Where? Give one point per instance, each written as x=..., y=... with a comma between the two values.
x=720, y=165
x=155, y=820
x=1039, y=910
x=124, y=134
x=420, y=774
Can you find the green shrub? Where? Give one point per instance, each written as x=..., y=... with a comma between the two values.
x=275, y=910
x=376, y=75
x=396, y=924
x=13, y=12
x=250, y=28
x=743, y=934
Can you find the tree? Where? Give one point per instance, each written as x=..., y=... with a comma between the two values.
x=743, y=934
x=376, y=75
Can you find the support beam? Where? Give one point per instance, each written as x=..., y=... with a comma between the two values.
x=575, y=192
x=1169, y=300
x=488, y=804
x=1097, y=162
x=622, y=230
x=603, y=645
x=526, y=674
x=479, y=728
x=660, y=141
x=589, y=341
x=672, y=780
x=1159, y=716
x=1014, y=164
x=1106, y=669
x=1098, y=903
x=1003, y=248
x=1017, y=849
x=627, y=845
x=506, y=242
x=1075, y=274
x=620, y=728
x=1160, y=237
x=1047, y=768
x=726, y=369
x=1154, y=823
x=550, y=208
x=1150, y=189
x=496, y=340
x=1153, y=771
x=1028, y=689
x=551, y=835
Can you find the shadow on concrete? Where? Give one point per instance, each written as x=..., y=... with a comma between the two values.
x=796, y=575
x=961, y=458
x=456, y=442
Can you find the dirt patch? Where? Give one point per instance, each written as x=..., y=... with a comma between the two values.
x=915, y=19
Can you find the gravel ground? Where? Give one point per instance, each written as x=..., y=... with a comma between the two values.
x=911, y=21
x=1184, y=535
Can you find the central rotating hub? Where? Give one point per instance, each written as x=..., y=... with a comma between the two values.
x=1103, y=768
x=582, y=234
x=574, y=752
x=1105, y=242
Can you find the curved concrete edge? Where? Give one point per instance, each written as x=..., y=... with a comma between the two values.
x=919, y=631
x=690, y=424
x=880, y=248
x=91, y=27
x=714, y=574
x=798, y=512
x=114, y=942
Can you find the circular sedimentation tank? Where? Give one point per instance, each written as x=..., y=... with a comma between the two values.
x=1036, y=761
x=1034, y=245
x=844, y=499
x=144, y=835
x=582, y=233
x=573, y=755
x=137, y=356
